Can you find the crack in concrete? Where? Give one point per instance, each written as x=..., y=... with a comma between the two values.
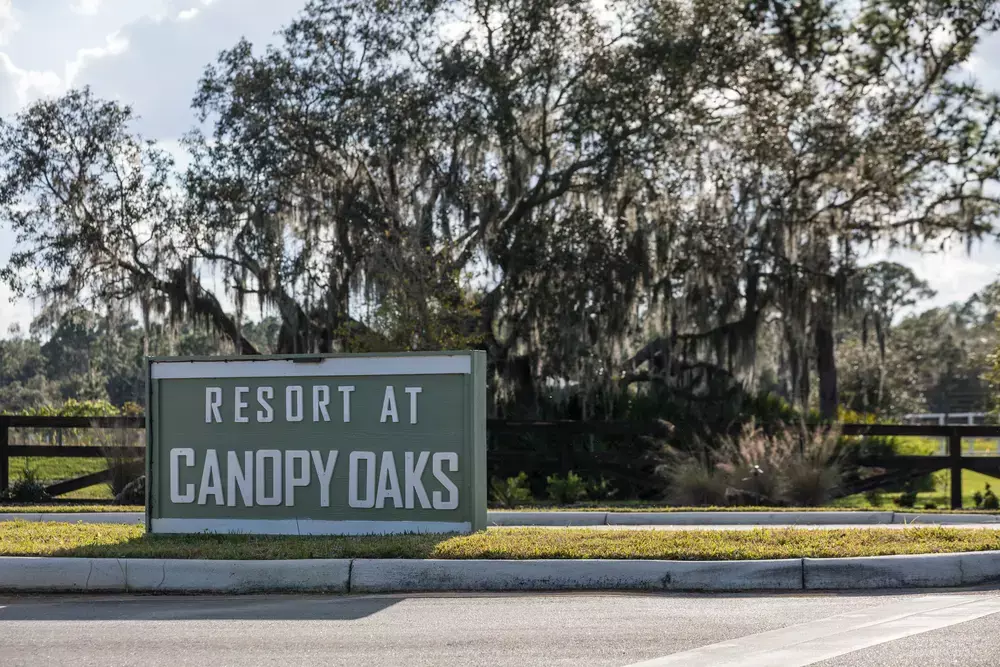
x=121, y=567
x=86, y=586
x=164, y=564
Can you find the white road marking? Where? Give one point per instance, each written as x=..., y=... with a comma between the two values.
x=809, y=643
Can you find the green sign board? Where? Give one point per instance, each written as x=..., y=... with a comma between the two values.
x=312, y=445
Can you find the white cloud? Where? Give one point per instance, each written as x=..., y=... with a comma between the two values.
x=115, y=44
x=8, y=22
x=973, y=65
x=20, y=86
x=148, y=53
x=23, y=86
x=19, y=312
x=954, y=273
x=86, y=7
x=159, y=74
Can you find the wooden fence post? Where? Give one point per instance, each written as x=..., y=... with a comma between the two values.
x=4, y=451
x=955, y=463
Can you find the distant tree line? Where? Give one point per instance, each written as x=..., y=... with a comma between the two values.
x=98, y=358
x=935, y=360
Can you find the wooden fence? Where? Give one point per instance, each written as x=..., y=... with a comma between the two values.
x=9, y=449
x=893, y=469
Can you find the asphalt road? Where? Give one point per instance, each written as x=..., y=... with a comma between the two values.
x=654, y=630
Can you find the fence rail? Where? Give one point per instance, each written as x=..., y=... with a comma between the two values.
x=894, y=468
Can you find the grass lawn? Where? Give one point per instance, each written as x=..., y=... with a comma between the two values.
x=941, y=496
x=19, y=538
x=55, y=469
x=96, y=492
x=929, y=446
x=48, y=509
x=49, y=470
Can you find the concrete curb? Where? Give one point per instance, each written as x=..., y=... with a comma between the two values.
x=138, y=575
x=235, y=576
x=62, y=575
x=547, y=518
x=385, y=576
x=917, y=571
x=943, y=519
x=747, y=518
x=582, y=518
x=51, y=575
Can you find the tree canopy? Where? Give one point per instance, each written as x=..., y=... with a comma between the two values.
x=606, y=196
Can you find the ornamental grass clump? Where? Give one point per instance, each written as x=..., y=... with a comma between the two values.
x=788, y=466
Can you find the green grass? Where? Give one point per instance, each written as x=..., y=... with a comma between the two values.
x=55, y=469
x=941, y=496
x=915, y=446
x=68, y=508
x=96, y=492
x=51, y=469
x=19, y=538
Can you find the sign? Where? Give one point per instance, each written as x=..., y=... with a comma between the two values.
x=317, y=445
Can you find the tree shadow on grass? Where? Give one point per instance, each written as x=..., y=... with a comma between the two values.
x=258, y=547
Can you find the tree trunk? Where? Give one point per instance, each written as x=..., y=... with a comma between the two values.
x=826, y=364
x=798, y=366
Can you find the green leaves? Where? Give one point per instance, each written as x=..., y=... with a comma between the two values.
x=555, y=183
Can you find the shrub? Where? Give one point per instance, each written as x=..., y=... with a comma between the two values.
x=511, y=492
x=977, y=498
x=566, y=490
x=601, y=490
x=693, y=483
x=875, y=497
x=28, y=489
x=990, y=501
x=813, y=475
x=906, y=499
x=930, y=506
x=134, y=493
x=787, y=466
x=810, y=485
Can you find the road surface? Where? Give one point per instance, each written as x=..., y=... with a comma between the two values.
x=522, y=630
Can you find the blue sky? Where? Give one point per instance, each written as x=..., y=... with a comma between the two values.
x=150, y=54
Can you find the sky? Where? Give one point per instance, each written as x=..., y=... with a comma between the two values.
x=151, y=53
